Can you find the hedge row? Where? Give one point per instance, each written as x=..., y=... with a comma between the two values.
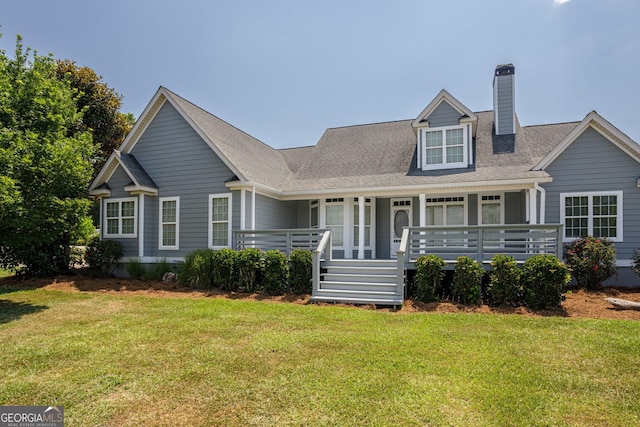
x=248, y=270
x=539, y=284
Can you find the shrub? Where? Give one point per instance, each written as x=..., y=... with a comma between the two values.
x=135, y=269
x=428, y=278
x=591, y=261
x=635, y=266
x=224, y=269
x=156, y=271
x=197, y=270
x=300, y=265
x=545, y=278
x=466, y=280
x=103, y=256
x=275, y=270
x=248, y=263
x=504, y=282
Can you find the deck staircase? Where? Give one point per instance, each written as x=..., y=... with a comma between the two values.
x=359, y=282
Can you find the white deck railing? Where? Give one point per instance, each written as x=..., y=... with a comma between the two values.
x=481, y=242
x=324, y=248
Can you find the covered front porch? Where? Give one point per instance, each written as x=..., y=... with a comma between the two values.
x=382, y=281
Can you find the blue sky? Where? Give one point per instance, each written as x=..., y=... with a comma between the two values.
x=284, y=71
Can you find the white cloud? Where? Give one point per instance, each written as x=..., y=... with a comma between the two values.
x=561, y=1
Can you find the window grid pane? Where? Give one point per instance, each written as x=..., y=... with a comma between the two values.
x=169, y=234
x=169, y=211
x=490, y=213
x=220, y=221
x=576, y=216
x=434, y=156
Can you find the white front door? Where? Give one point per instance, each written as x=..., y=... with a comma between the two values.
x=401, y=215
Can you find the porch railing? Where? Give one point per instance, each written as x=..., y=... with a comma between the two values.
x=282, y=240
x=322, y=251
x=481, y=242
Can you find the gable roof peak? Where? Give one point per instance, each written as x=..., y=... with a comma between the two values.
x=444, y=96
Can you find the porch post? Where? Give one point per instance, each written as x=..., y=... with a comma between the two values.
x=361, y=227
x=423, y=210
x=253, y=208
x=243, y=209
x=533, y=206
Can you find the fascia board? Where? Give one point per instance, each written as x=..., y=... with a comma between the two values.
x=602, y=126
x=516, y=184
x=443, y=95
x=205, y=138
x=144, y=120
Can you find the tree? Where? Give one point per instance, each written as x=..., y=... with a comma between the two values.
x=45, y=165
x=100, y=105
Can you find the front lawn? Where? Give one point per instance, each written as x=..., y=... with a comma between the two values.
x=141, y=360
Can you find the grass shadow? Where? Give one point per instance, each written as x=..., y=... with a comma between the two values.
x=11, y=310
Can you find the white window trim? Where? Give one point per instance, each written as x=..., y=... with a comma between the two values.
x=230, y=219
x=620, y=216
x=466, y=129
x=161, y=223
x=445, y=204
x=481, y=202
x=314, y=204
x=119, y=235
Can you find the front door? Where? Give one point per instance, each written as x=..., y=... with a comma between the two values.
x=401, y=214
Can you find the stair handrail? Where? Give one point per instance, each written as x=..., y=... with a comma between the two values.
x=324, y=246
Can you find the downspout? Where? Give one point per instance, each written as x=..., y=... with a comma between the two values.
x=543, y=198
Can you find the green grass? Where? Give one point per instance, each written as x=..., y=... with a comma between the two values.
x=129, y=361
x=5, y=273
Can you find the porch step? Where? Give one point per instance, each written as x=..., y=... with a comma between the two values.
x=359, y=282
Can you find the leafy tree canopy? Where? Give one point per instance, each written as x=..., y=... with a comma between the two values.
x=100, y=105
x=45, y=163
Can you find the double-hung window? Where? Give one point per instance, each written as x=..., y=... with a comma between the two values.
x=597, y=214
x=491, y=211
x=220, y=220
x=334, y=219
x=120, y=217
x=169, y=222
x=444, y=147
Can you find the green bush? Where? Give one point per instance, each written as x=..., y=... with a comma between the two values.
x=155, y=272
x=275, y=271
x=545, y=278
x=428, y=278
x=300, y=266
x=249, y=265
x=102, y=256
x=224, y=269
x=135, y=269
x=635, y=266
x=197, y=270
x=467, y=277
x=591, y=261
x=504, y=284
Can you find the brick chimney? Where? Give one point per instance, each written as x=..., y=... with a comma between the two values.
x=504, y=100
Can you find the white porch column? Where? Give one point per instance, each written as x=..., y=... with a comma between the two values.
x=141, y=226
x=361, y=226
x=253, y=208
x=543, y=203
x=533, y=206
x=423, y=210
x=243, y=209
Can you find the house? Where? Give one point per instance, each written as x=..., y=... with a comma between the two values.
x=451, y=179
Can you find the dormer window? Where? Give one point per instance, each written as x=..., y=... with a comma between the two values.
x=444, y=147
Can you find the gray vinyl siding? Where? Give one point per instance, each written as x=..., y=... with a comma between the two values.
x=592, y=163
x=472, y=205
x=274, y=214
x=514, y=208
x=383, y=228
x=182, y=165
x=303, y=214
x=119, y=179
x=504, y=104
x=443, y=115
